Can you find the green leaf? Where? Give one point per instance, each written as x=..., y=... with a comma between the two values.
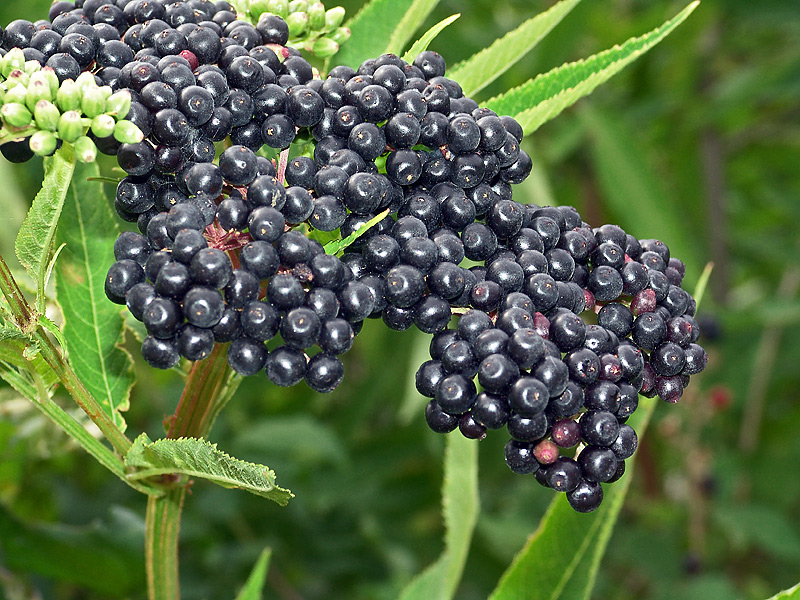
x=339, y=245
x=93, y=327
x=539, y=100
x=410, y=22
x=199, y=458
x=255, y=583
x=423, y=42
x=34, y=243
x=635, y=196
x=562, y=557
x=9, y=332
x=460, y=505
x=478, y=71
x=376, y=22
x=790, y=594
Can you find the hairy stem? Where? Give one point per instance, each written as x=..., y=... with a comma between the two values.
x=27, y=320
x=208, y=387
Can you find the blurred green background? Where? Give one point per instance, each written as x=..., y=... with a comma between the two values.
x=697, y=143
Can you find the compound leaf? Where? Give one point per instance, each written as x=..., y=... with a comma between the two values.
x=251, y=590
x=564, y=553
x=542, y=98
x=423, y=42
x=34, y=243
x=199, y=458
x=378, y=21
x=460, y=505
x=93, y=327
x=478, y=71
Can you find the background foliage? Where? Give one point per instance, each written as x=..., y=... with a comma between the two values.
x=701, y=133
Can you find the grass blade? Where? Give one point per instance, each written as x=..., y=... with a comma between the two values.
x=478, y=71
x=423, y=42
x=255, y=583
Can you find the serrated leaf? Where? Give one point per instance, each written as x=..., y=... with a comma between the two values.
x=460, y=505
x=423, y=42
x=9, y=332
x=563, y=556
x=34, y=243
x=255, y=583
x=200, y=458
x=478, y=71
x=339, y=245
x=790, y=594
x=539, y=100
x=93, y=327
x=410, y=22
x=376, y=22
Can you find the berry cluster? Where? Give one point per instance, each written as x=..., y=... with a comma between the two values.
x=565, y=328
x=562, y=325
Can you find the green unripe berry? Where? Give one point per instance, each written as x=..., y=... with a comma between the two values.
x=16, y=114
x=18, y=78
x=85, y=150
x=46, y=115
x=316, y=16
x=278, y=7
x=70, y=126
x=296, y=6
x=13, y=60
x=93, y=103
x=324, y=47
x=50, y=76
x=85, y=81
x=257, y=7
x=43, y=143
x=298, y=24
x=38, y=89
x=126, y=132
x=18, y=94
x=118, y=104
x=103, y=125
x=333, y=18
x=68, y=96
x=32, y=66
x=340, y=35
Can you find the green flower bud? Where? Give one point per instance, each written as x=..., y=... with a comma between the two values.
x=68, y=96
x=70, y=126
x=298, y=23
x=126, y=132
x=103, y=125
x=85, y=150
x=46, y=115
x=341, y=35
x=333, y=18
x=296, y=6
x=118, y=104
x=93, y=103
x=316, y=16
x=43, y=143
x=38, y=89
x=18, y=93
x=16, y=114
x=13, y=60
x=324, y=47
x=278, y=7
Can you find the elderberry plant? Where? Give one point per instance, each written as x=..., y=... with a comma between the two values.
x=278, y=198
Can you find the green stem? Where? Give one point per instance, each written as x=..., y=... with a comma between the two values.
x=162, y=524
x=207, y=389
x=28, y=321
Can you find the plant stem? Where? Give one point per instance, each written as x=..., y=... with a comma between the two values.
x=162, y=524
x=208, y=388
x=28, y=321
